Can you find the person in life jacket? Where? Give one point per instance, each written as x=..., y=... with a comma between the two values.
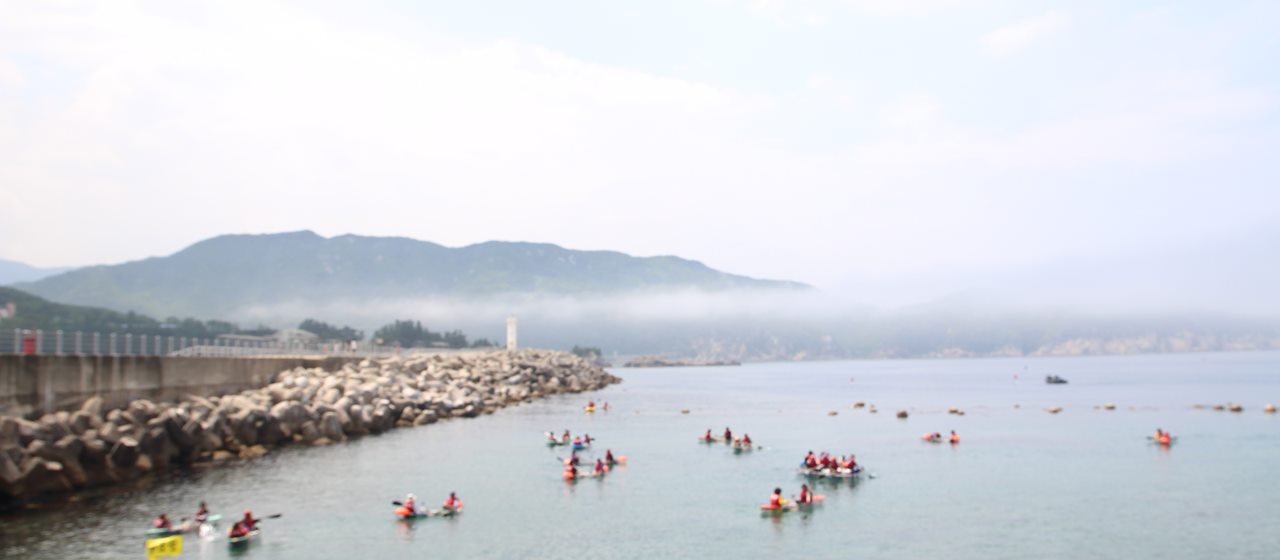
x=577, y=442
x=599, y=467
x=606, y=406
x=1159, y=433
x=161, y=522
x=452, y=502
x=202, y=514
x=608, y=456
x=728, y=435
x=571, y=472
x=746, y=440
x=565, y=437
x=573, y=458
x=586, y=439
x=238, y=530
x=411, y=504
x=810, y=461
x=776, y=499
x=243, y=527
x=955, y=438
x=591, y=404
x=853, y=462
x=805, y=496
x=708, y=436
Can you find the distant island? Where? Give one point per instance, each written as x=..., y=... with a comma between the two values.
x=660, y=361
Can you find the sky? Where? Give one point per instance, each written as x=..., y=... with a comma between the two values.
x=884, y=146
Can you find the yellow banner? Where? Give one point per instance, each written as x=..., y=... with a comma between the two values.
x=164, y=547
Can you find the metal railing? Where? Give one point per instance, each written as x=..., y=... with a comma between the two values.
x=78, y=343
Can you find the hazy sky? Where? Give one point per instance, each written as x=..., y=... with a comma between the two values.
x=841, y=143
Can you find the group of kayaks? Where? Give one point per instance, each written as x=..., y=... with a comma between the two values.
x=579, y=443
x=739, y=444
x=936, y=437
x=408, y=509
x=205, y=524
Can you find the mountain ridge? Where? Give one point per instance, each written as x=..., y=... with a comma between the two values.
x=216, y=276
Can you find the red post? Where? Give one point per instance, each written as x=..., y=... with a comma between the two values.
x=28, y=344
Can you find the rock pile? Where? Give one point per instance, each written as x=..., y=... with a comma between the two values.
x=89, y=447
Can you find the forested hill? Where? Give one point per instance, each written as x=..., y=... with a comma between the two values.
x=218, y=276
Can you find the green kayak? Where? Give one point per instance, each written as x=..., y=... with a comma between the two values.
x=243, y=540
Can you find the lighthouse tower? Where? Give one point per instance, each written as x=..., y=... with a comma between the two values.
x=511, y=333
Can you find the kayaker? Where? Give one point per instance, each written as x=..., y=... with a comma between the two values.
x=586, y=438
x=202, y=514
x=571, y=472
x=955, y=438
x=452, y=502
x=591, y=404
x=746, y=439
x=161, y=522
x=728, y=435
x=1159, y=434
x=810, y=461
x=599, y=467
x=608, y=456
x=411, y=504
x=249, y=522
x=775, y=501
x=606, y=406
x=707, y=436
x=805, y=496
x=577, y=442
x=238, y=530
x=573, y=458
x=565, y=437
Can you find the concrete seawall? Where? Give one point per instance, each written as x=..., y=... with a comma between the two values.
x=35, y=385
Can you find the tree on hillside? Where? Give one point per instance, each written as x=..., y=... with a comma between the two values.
x=411, y=334
x=330, y=332
x=588, y=352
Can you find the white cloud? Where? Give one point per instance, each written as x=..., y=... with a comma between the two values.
x=913, y=110
x=1012, y=38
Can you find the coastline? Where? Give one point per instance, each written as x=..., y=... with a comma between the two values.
x=93, y=447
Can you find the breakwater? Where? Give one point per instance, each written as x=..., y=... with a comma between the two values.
x=31, y=386
x=99, y=445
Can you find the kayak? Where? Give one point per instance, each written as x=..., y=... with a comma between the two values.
x=1162, y=441
x=817, y=501
x=619, y=460
x=243, y=540
x=580, y=446
x=827, y=473
x=741, y=448
x=185, y=527
x=712, y=440
x=403, y=514
x=589, y=409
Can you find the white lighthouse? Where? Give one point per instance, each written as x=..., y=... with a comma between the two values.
x=511, y=333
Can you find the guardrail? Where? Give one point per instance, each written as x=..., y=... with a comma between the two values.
x=79, y=343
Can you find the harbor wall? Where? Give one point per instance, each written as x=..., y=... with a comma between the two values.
x=34, y=385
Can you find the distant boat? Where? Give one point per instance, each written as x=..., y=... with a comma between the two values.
x=1054, y=380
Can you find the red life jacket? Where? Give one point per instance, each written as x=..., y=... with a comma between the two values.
x=775, y=500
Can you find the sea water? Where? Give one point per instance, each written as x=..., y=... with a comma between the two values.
x=1023, y=483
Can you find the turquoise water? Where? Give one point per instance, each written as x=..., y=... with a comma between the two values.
x=1024, y=483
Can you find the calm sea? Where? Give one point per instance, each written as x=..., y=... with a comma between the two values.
x=1023, y=483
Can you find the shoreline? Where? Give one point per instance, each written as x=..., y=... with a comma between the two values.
x=68, y=452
